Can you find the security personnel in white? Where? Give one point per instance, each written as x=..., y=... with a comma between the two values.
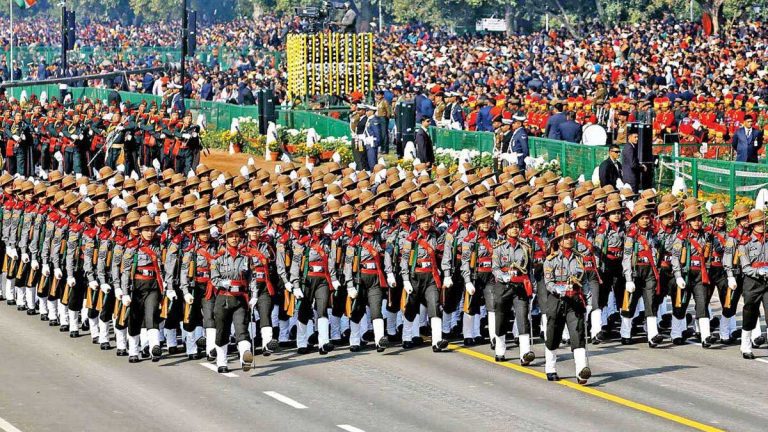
x=563, y=271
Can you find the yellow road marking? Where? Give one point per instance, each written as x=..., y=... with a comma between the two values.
x=591, y=391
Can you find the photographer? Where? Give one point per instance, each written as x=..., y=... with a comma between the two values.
x=348, y=23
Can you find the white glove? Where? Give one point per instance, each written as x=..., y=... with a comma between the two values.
x=297, y=293
x=12, y=253
x=171, y=294
x=189, y=298
x=70, y=281
x=152, y=209
x=336, y=284
x=630, y=287
x=119, y=293
x=407, y=287
x=447, y=282
x=680, y=282
x=732, y=283
x=288, y=286
x=352, y=291
x=25, y=257
x=214, y=232
x=105, y=288
x=119, y=128
x=126, y=299
x=163, y=218
x=93, y=285
x=35, y=265
x=16, y=138
x=186, y=136
x=391, y=280
x=470, y=287
x=252, y=302
x=57, y=274
x=46, y=270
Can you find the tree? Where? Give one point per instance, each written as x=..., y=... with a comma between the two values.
x=714, y=8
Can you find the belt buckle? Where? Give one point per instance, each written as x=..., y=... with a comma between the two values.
x=260, y=275
x=146, y=272
x=234, y=289
x=425, y=265
x=317, y=269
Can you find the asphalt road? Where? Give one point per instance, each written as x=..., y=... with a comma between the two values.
x=49, y=382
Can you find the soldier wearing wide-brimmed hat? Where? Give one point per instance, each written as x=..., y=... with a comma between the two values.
x=718, y=237
x=284, y=249
x=92, y=238
x=422, y=283
x=314, y=276
x=563, y=273
x=666, y=233
x=453, y=282
x=582, y=218
x=175, y=240
x=754, y=264
x=231, y=278
x=741, y=233
x=364, y=275
x=513, y=289
x=609, y=244
x=536, y=234
x=342, y=235
x=475, y=272
x=690, y=253
x=640, y=264
x=259, y=248
x=142, y=285
x=199, y=296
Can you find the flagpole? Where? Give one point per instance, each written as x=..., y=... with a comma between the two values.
x=10, y=63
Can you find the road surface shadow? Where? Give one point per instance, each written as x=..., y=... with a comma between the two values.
x=609, y=377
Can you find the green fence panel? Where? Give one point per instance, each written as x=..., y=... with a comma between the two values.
x=460, y=140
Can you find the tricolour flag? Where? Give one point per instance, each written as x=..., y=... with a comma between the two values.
x=25, y=4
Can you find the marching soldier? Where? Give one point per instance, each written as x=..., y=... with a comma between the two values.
x=453, y=282
x=717, y=274
x=312, y=278
x=92, y=255
x=340, y=240
x=36, y=281
x=739, y=235
x=284, y=249
x=259, y=247
x=513, y=287
x=22, y=220
x=421, y=279
x=231, y=276
x=537, y=236
x=753, y=258
x=172, y=275
x=641, y=255
x=609, y=245
x=666, y=233
x=197, y=290
x=689, y=259
x=111, y=246
x=563, y=272
x=585, y=246
x=143, y=286
x=475, y=268
x=75, y=263
x=364, y=275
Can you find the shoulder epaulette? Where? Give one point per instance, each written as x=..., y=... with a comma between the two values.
x=54, y=217
x=354, y=241
x=471, y=236
x=412, y=236
x=132, y=243
x=76, y=228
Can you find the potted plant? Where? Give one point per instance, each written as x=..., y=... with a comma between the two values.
x=274, y=150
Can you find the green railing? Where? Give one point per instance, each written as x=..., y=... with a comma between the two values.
x=226, y=56
x=728, y=179
x=460, y=140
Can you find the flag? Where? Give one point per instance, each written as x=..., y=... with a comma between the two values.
x=25, y=4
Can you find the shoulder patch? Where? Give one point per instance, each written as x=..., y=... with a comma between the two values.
x=471, y=236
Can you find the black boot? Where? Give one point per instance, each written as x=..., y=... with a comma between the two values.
x=553, y=377
x=105, y=346
x=157, y=352
x=121, y=353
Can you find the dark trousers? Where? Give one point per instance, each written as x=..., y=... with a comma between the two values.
x=23, y=160
x=184, y=161
x=196, y=308
x=368, y=294
x=483, y=295
x=112, y=155
x=207, y=310
x=424, y=292
x=454, y=293
x=645, y=288
x=229, y=310
x=175, y=312
x=315, y=288
x=264, y=305
x=145, y=306
x=561, y=312
x=77, y=292
x=509, y=297
x=720, y=282
x=701, y=295
x=73, y=163
x=148, y=154
x=394, y=294
x=108, y=307
x=613, y=281
x=755, y=292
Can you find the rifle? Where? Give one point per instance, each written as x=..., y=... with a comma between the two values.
x=472, y=268
x=626, y=302
x=685, y=261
